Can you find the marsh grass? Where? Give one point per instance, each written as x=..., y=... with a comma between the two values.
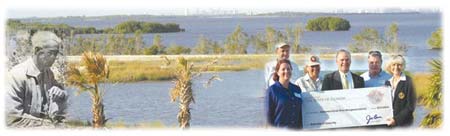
x=78, y=123
x=138, y=71
x=154, y=68
x=421, y=84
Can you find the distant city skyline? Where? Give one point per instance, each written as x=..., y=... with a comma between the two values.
x=44, y=13
x=64, y=8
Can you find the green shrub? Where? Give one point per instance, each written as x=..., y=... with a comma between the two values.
x=328, y=24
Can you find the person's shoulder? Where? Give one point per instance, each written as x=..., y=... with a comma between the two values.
x=330, y=75
x=357, y=76
x=271, y=63
x=294, y=86
x=17, y=73
x=365, y=74
x=385, y=74
x=298, y=81
x=273, y=88
x=293, y=63
x=408, y=78
x=19, y=69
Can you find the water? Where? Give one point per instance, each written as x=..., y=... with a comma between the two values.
x=414, y=30
x=229, y=102
x=236, y=101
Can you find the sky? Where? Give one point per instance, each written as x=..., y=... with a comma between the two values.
x=61, y=8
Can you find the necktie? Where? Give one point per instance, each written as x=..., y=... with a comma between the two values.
x=345, y=82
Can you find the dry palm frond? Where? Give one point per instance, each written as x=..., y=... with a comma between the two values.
x=93, y=69
x=96, y=66
x=210, y=80
x=166, y=60
x=182, y=91
x=433, y=98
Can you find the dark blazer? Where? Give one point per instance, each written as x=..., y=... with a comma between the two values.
x=404, y=102
x=332, y=81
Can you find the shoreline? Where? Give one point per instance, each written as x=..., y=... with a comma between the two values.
x=328, y=56
x=136, y=68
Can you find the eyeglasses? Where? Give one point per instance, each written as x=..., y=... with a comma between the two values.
x=374, y=52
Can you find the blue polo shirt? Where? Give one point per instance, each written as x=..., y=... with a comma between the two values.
x=377, y=80
x=284, y=106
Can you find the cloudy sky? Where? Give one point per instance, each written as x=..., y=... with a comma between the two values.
x=57, y=8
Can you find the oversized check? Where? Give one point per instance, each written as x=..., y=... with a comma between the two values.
x=346, y=108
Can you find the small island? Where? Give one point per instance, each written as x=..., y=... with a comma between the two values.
x=328, y=24
x=122, y=28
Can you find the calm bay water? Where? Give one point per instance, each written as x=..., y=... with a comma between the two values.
x=229, y=102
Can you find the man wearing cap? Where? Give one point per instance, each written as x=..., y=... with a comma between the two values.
x=34, y=98
x=282, y=50
x=375, y=77
x=311, y=81
x=342, y=78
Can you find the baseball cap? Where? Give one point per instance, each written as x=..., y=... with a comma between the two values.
x=281, y=44
x=313, y=60
x=45, y=39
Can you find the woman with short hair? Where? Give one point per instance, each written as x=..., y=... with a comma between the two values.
x=403, y=93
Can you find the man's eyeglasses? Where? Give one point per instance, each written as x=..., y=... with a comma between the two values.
x=374, y=52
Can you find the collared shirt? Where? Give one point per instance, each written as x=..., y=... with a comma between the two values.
x=394, y=85
x=349, y=79
x=377, y=80
x=308, y=85
x=284, y=106
x=270, y=69
x=27, y=91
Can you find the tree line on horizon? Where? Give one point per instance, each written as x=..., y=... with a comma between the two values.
x=237, y=42
x=131, y=26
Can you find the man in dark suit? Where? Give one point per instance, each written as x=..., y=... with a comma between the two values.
x=342, y=78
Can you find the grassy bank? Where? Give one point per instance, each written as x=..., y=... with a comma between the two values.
x=136, y=68
x=155, y=68
x=421, y=84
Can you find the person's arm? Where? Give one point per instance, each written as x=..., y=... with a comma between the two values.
x=15, y=96
x=402, y=116
x=58, y=103
x=326, y=84
x=270, y=107
x=295, y=72
x=267, y=75
x=300, y=84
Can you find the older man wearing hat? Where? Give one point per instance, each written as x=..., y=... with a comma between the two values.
x=33, y=97
x=311, y=81
x=282, y=50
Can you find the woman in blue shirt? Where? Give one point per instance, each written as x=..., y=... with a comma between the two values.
x=283, y=99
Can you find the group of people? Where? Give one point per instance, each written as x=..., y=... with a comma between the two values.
x=284, y=86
